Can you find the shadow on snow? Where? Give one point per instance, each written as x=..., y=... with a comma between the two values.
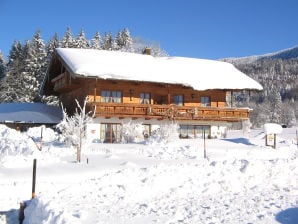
x=288, y=216
x=11, y=216
x=244, y=141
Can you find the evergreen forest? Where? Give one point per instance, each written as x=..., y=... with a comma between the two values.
x=22, y=72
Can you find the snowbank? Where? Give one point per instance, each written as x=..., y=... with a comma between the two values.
x=48, y=134
x=242, y=181
x=14, y=143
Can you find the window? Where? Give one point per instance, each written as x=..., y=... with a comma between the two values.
x=145, y=98
x=178, y=100
x=183, y=131
x=205, y=101
x=110, y=133
x=229, y=99
x=194, y=131
x=200, y=129
x=111, y=96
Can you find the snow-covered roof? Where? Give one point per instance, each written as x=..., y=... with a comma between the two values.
x=200, y=74
x=30, y=113
x=272, y=128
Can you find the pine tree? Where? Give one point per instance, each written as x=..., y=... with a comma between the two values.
x=15, y=58
x=11, y=85
x=108, y=42
x=53, y=43
x=81, y=41
x=288, y=117
x=276, y=107
x=96, y=42
x=123, y=41
x=2, y=66
x=118, y=41
x=127, y=40
x=35, y=68
x=67, y=40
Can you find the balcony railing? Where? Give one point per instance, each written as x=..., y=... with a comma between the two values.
x=173, y=112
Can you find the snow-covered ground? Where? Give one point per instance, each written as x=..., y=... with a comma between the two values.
x=241, y=181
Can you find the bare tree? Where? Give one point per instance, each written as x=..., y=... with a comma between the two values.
x=73, y=127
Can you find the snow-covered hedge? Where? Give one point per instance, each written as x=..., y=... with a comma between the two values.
x=14, y=143
x=132, y=131
x=165, y=133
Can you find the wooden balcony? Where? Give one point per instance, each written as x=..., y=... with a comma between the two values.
x=172, y=112
x=63, y=83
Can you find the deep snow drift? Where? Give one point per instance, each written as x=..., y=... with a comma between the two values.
x=242, y=181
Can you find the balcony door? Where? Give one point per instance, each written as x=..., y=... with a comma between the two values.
x=110, y=133
x=145, y=98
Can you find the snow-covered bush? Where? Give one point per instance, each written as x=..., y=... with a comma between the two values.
x=246, y=125
x=132, y=131
x=48, y=134
x=166, y=132
x=14, y=143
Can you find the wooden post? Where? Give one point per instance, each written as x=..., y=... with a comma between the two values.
x=169, y=95
x=34, y=178
x=274, y=141
x=41, y=130
x=204, y=134
x=95, y=90
x=297, y=138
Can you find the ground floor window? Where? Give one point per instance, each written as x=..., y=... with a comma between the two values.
x=110, y=133
x=194, y=131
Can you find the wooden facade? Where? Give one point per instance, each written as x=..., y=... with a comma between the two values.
x=133, y=99
x=120, y=95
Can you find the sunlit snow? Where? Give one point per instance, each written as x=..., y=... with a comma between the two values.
x=241, y=181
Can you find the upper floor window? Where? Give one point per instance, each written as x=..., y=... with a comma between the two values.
x=178, y=100
x=229, y=99
x=205, y=101
x=111, y=96
x=145, y=98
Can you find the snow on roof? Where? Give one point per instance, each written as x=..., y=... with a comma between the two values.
x=30, y=113
x=201, y=74
x=272, y=128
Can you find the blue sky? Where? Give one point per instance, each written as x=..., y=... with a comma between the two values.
x=191, y=28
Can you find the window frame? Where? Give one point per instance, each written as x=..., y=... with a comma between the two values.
x=205, y=103
x=145, y=98
x=111, y=96
x=178, y=100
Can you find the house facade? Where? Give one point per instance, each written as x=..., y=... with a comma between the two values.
x=121, y=87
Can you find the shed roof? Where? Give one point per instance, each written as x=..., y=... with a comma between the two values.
x=30, y=113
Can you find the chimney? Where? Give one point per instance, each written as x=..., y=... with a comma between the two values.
x=147, y=51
